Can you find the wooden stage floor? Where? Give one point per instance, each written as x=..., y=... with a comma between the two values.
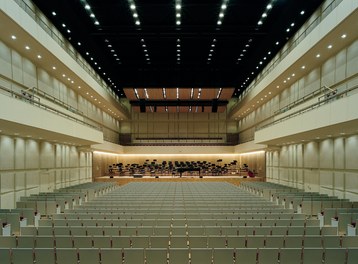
x=121, y=180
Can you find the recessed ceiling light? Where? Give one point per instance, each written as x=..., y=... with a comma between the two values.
x=264, y=15
x=292, y=24
x=39, y=56
x=54, y=68
x=344, y=36
x=64, y=25
x=63, y=75
x=221, y=15
x=135, y=15
x=132, y=6
x=318, y=55
x=330, y=46
x=54, y=13
x=269, y=6
x=277, y=43
x=92, y=15
x=96, y=23
x=302, y=12
x=178, y=22
x=259, y=23
x=68, y=31
x=13, y=37
x=219, y=22
x=288, y=30
x=178, y=6
x=223, y=6
x=79, y=87
x=27, y=47
x=303, y=67
x=87, y=6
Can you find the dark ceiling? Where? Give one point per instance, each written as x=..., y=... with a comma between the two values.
x=140, y=43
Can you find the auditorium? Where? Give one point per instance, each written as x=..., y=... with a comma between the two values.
x=178, y=132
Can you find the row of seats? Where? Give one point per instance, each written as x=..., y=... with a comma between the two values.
x=179, y=241
x=114, y=215
x=189, y=232
x=179, y=222
x=179, y=256
x=194, y=230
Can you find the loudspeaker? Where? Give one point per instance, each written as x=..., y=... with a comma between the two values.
x=142, y=105
x=214, y=106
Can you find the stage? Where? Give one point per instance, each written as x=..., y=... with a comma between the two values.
x=121, y=180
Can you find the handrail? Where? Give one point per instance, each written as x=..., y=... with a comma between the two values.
x=74, y=54
x=57, y=101
x=27, y=99
x=282, y=54
x=311, y=107
x=298, y=101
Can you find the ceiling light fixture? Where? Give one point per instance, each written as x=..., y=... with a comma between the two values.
x=177, y=12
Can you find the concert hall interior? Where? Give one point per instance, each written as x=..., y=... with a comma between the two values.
x=179, y=114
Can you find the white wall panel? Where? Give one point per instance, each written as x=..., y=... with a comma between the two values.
x=19, y=153
x=6, y=153
x=32, y=154
x=351, y=152
x=326, y=149
x=20, y=180
x=352, y=182
x=5, y=60
x=7, y=183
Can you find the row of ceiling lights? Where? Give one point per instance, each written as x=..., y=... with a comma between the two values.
x=221, y=16
x=115, y=55
x=178, y=50
x=145, y=50
x=287, y=79
x=249, y=42
x=89, y=11
x=266, y=12
x=261, y=62
x=91, y=14
x=135, y=15
x=211, y=51
x=66, y=77
x=223, y=8
x=178, y=12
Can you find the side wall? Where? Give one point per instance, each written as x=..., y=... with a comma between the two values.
x=327, y=166
x=29, y=166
